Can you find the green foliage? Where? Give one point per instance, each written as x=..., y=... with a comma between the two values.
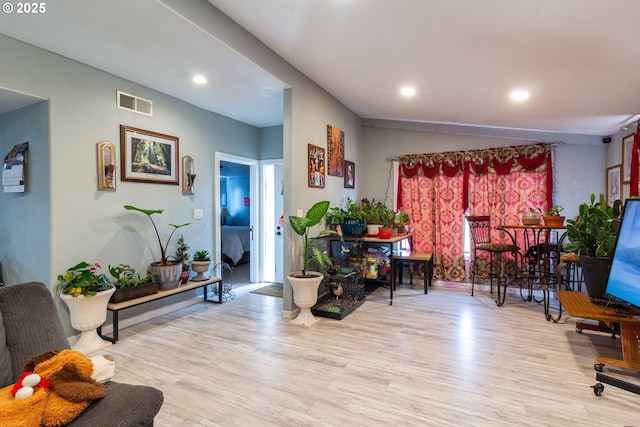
x=149, y=213
x=182, y=255
x=126, y=276
x=201, y=255
x=301, y=226
x=82, y=279
x=595, y=230
x=555, y=211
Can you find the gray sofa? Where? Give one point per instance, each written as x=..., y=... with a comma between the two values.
x=29, y=326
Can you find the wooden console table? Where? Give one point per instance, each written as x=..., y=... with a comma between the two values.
x=115, y=308
x=578, y=304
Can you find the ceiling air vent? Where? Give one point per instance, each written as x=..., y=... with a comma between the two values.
x=135, y=104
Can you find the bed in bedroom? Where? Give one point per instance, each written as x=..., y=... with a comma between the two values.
x=234, y=244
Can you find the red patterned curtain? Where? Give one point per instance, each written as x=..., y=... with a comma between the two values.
x=634, y=189
x=437, y=189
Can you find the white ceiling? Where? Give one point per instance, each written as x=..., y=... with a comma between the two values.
x=580, y=59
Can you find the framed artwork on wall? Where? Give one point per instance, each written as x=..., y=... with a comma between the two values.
x=148, y=156
x=349, y=174
x=614, y=184
x=627, y=147
x=316, y=166
x=335, y=151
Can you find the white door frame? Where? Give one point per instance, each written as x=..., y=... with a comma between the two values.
x=254, y=200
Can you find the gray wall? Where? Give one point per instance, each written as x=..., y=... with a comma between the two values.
x=25, y=248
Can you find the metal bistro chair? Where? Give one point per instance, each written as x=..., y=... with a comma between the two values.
x=480, y=227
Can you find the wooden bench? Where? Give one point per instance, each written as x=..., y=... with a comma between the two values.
x=115, y=308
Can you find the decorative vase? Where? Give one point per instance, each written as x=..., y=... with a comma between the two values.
x=530, y=218
x=305, y=295
x=200, y=267
x=87, y=313
x=168, y=275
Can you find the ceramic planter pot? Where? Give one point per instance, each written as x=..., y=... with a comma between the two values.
x=168, y=275
x=86, y=314
x=200, y=267
x=305, y=295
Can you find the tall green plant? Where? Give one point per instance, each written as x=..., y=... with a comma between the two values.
x=148, y=213
x=595, y=230
x=301, y=226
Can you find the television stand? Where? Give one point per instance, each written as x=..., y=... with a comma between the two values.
x=577, y=304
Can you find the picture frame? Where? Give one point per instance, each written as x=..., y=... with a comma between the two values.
x=349, y=174
x=316, y=166
x=627, y=148
x=148, y=156
x=335, y=151
x=614, y=184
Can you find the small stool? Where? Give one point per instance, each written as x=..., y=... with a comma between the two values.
x=404, y=257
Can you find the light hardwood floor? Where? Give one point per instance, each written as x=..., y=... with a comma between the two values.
x=442, y=359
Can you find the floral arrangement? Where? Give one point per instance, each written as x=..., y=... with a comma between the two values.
x=82, y=279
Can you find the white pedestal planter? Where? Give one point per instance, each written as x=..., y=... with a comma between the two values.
x=305, y=296
x=200, y=267
x=87, y=313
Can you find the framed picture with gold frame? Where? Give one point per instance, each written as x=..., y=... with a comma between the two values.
x=627, y=148
x=148, y=156
x=335, y=151
x=614, y=184
x=316, y=166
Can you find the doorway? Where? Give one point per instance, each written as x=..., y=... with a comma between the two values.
x=272, y=178
x=236, y=207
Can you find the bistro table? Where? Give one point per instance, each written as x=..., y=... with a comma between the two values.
x=539, y=248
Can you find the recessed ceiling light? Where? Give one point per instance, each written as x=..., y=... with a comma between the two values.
x=519, y=95
x=407, y=91
x=199, y=79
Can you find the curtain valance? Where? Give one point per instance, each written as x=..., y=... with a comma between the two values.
x=500, y=161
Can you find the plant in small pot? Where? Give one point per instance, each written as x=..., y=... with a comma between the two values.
x=168, y=271
x=592, y=236
x=305, y=283
x=553, y=217
x=182, y=256
x=86, y=293
x=371, y=215
x=354, y=224
x=130, y=284
x=531, y=217
x=387, y=217
x=200, y=263
x=402, y=221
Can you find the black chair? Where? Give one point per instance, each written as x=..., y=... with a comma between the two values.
x=480, y=227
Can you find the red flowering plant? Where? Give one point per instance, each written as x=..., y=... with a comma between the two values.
x=82, y=279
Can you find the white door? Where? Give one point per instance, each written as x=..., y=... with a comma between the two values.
x=273, y=208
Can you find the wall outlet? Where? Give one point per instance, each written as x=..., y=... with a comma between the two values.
x=197, y=214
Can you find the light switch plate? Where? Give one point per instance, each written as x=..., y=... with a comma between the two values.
x=197, y=214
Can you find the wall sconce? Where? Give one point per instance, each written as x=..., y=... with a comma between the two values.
x=224, y=213
x=106, y=166
x=188, y=175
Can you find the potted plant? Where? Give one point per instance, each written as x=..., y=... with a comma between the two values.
x=553, y=218
x=130, y=284
x=354, y=223
x=182, y=256
x=532, y=217
x=387, y=217
x=305, y=283
x=86, y=293
x=371, y=214
x=168, y=271
x=200, y=263
x=402, y=221
x=592, y=236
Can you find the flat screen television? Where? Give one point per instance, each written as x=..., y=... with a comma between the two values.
x=623, y=286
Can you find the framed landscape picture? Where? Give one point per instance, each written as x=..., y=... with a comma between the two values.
x=148, y=156
x=614, y=184
x=316, y=166
x=335, y=151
